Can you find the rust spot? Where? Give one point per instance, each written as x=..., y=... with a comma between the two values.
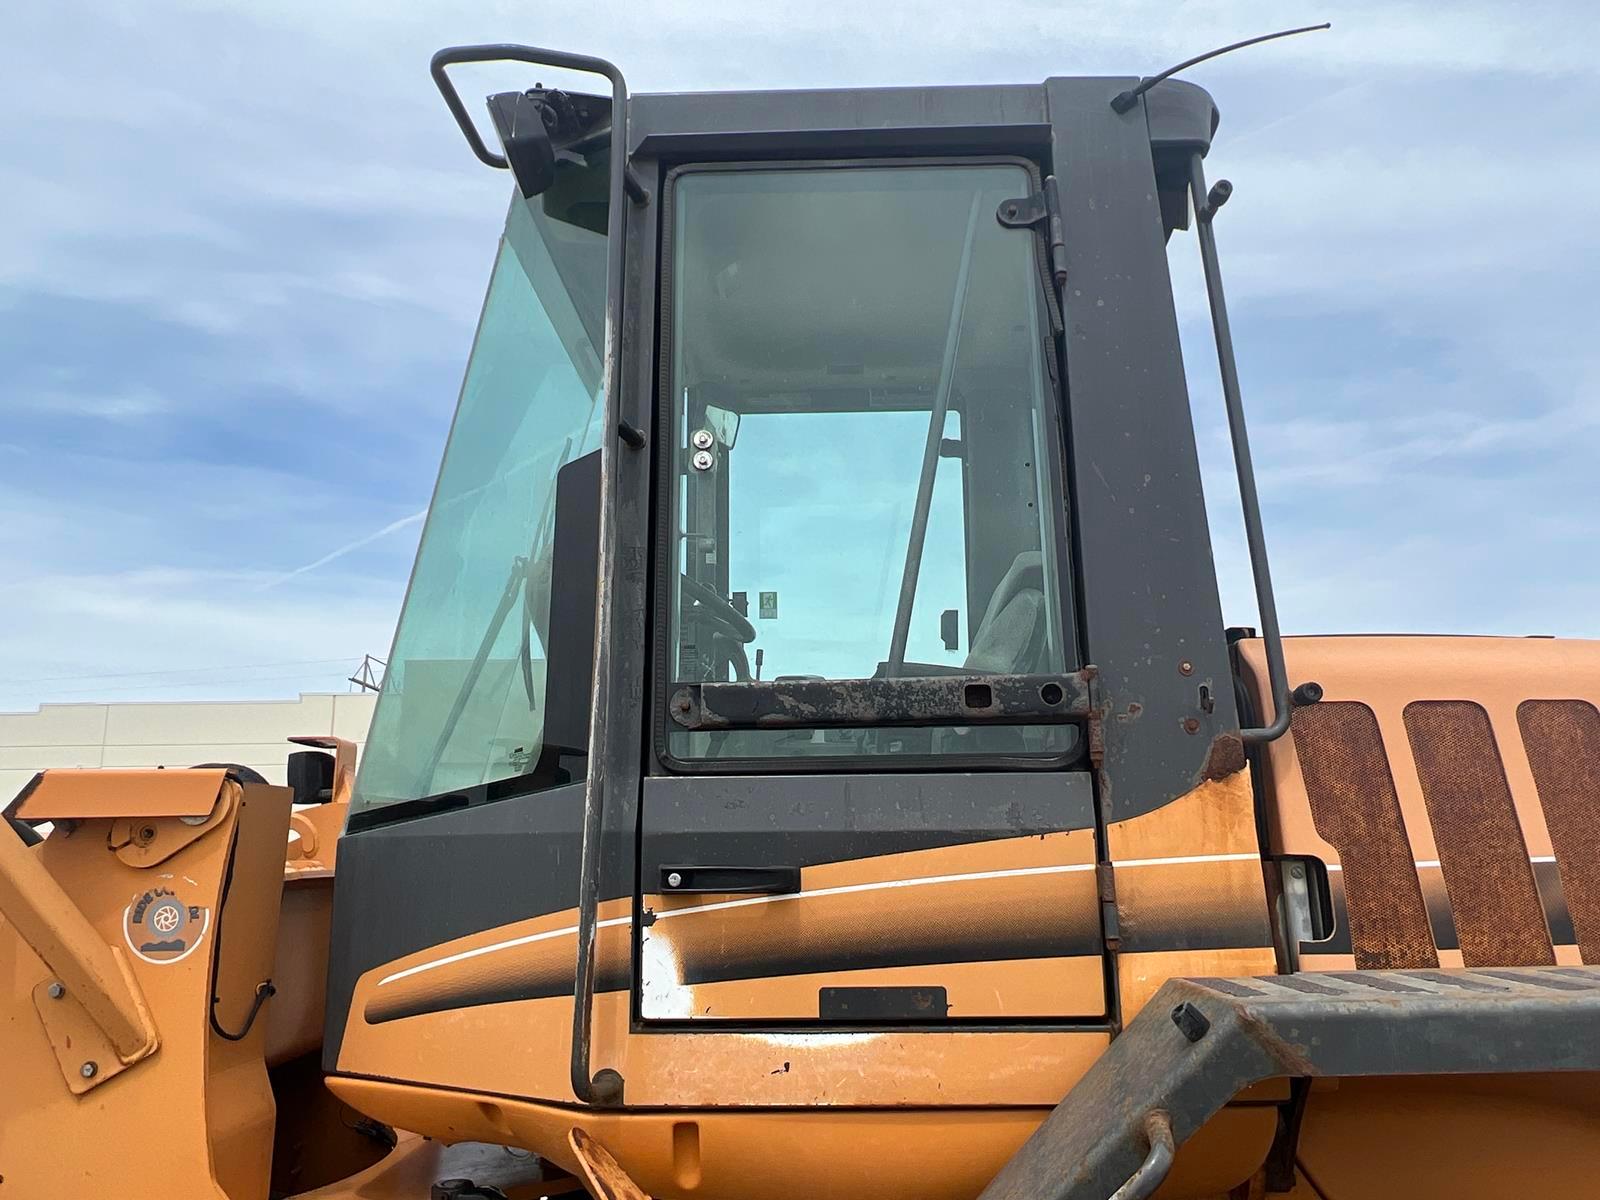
x=1225, y=758
x=1191, y=724
x=1292, y=1058
x=1135, y=709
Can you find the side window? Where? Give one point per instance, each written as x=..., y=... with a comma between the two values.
x=486, y=679
x=861, y=428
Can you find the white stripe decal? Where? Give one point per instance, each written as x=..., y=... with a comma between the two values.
x=844, y=890
x=495, y=947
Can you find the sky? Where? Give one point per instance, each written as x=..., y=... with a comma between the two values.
x=243, y=248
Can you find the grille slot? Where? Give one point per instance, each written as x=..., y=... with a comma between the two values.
x=1562, y=738
x=1355, y=808
x=1499, y=918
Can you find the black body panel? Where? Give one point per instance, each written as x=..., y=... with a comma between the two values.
x=406, y=886
x=803, y=820
x=1147, y=584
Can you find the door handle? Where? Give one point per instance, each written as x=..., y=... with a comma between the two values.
x=701, y=880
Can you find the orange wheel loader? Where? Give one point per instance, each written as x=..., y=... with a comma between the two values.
x=812, y=763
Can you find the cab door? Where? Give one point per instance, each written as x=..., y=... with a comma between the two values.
x=861, y=484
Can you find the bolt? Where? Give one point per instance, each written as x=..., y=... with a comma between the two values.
x=701, y=439
x=89, y=1070
x=1186, y=667
x=1297, y=871
x=1191, y=724
x=674, y=879
x=56, y=990
x=147, y=834
x=702, y=460
x=681, y=704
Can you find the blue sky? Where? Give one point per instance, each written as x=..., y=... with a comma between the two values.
x=242, y=250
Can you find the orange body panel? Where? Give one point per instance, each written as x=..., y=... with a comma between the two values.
x=942, y=1154
x=80, y=793
x=1191, y=867
x=195, y=1118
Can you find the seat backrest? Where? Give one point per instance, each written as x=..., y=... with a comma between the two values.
x=1009, y=638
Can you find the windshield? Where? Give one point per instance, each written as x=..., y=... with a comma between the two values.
x=463, y=702
x=865, y=439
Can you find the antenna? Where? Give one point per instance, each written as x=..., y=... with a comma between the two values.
x=1123, y=101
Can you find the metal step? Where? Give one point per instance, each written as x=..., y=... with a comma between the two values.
x=1199, y=1042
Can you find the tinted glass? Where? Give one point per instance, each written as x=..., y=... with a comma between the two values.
x=862, y=429
x=463, y=700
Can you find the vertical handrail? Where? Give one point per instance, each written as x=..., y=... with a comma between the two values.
x=583, y=1084
x=1266, y=605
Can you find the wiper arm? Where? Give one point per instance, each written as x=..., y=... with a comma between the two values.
x=520, y=579
x=508, y=597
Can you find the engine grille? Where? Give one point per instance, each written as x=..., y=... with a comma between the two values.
x=1562, y=738
x=1354, y=806
x=1484, y=895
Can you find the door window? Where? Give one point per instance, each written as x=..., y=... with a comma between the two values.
x=862, y=432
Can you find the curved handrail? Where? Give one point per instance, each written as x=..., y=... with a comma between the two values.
x=583, y=1082
x=1153, y=1170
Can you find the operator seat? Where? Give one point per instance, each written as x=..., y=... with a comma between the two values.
x=1010, y=638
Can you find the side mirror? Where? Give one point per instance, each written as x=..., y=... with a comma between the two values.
x=310, y=776
x=523, y=119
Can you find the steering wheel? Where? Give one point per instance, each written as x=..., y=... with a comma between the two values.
x=716, y=611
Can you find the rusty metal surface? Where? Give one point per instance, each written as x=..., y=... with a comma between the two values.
x=1493, y=898
x=1517, y=1020
x=1355, y=807
x=1562, y=738
x=848, y=703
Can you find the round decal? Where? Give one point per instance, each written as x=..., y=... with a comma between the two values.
x=161, y=927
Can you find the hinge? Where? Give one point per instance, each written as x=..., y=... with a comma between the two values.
x=1024, y=212
x=1105, y=878
x=1041, y=210
x=1095, y=726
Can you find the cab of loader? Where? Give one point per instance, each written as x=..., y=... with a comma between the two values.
x=811, y=760
x=815, y=597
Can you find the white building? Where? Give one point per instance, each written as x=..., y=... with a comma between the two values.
x=251, y=733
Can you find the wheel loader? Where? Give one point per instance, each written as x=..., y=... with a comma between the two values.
x=812, y=761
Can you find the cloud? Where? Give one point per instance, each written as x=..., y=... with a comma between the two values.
x=348, y=548
x=236, y=298
x=169, y=634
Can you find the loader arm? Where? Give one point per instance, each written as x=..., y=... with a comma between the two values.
x=84, y=966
